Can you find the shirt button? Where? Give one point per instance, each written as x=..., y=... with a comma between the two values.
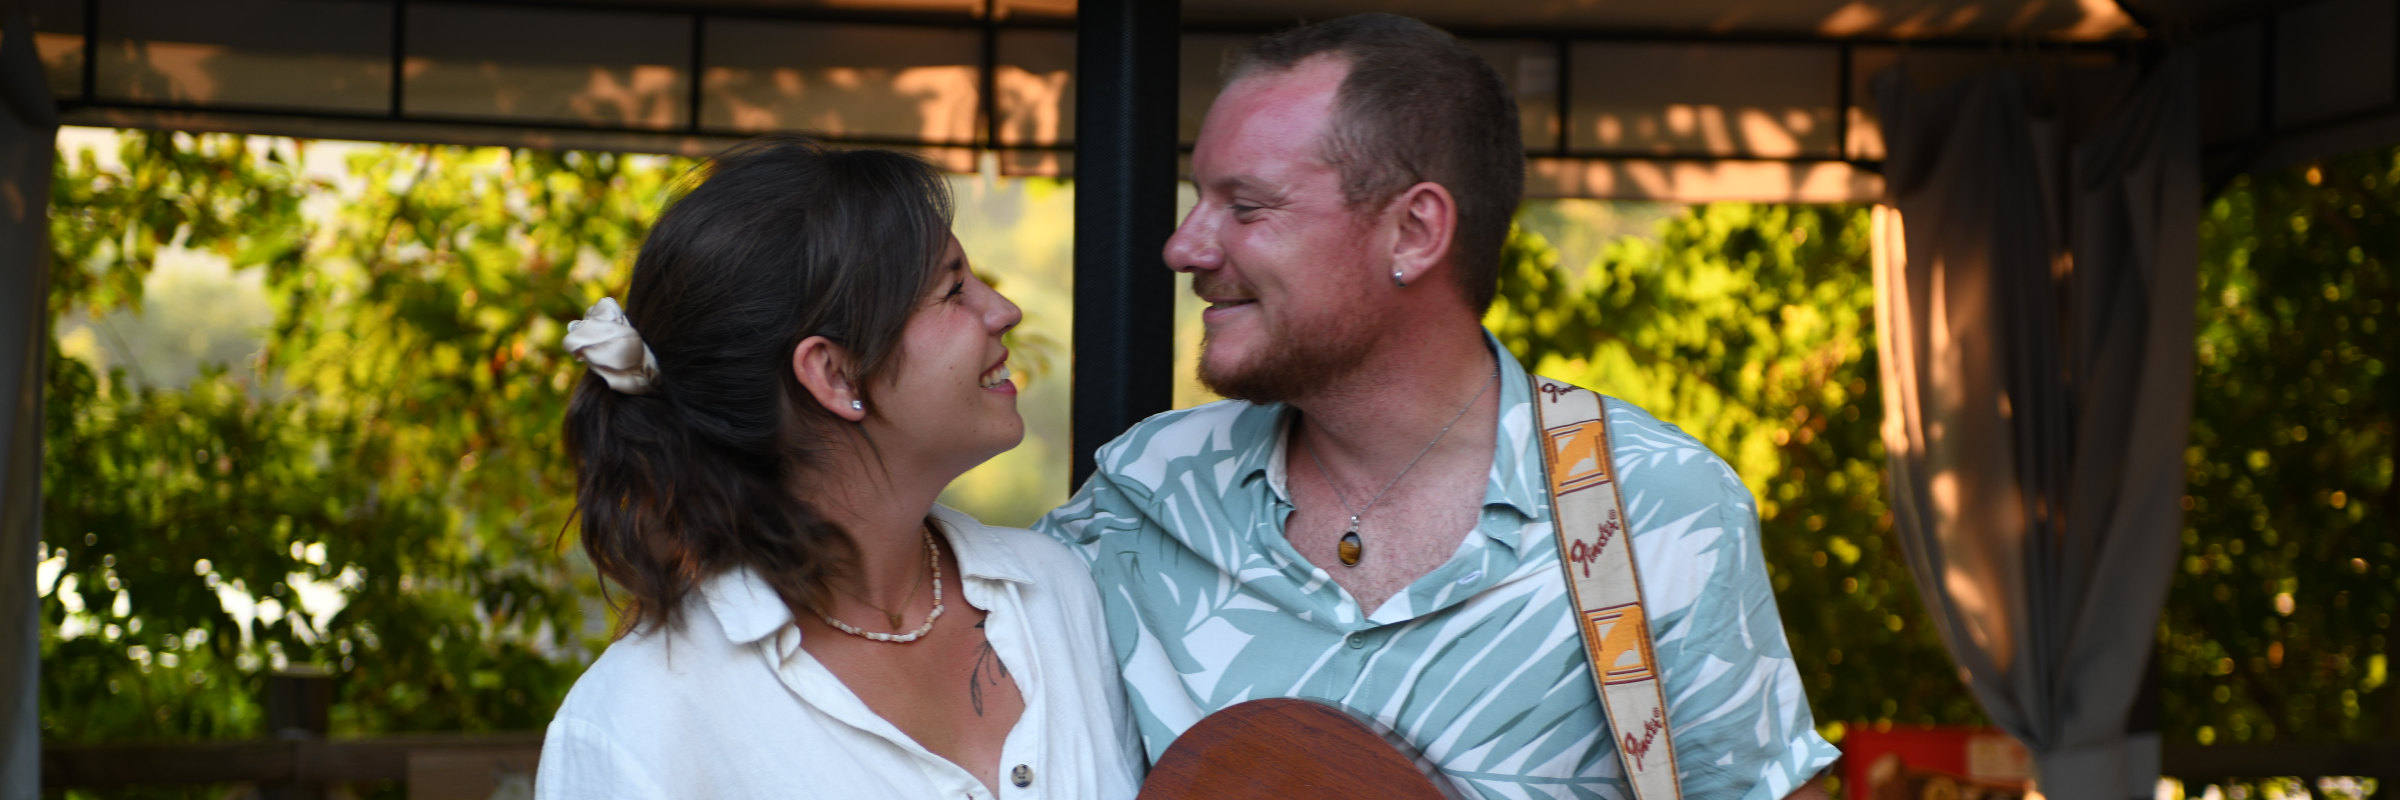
x=1022, y=776
x=1357, y=641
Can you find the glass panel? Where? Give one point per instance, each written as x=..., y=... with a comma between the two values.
x=312, y=54
x=1204, y=56
x=58, y=39
x=1189, y=332
x=1036, y=96
x=608, y=68
x=1717, y=100
x=1530, y=66
x=1054, y=9
x=887, y=83
x=1021, y=233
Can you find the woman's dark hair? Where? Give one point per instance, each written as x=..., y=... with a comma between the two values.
x=781, y=240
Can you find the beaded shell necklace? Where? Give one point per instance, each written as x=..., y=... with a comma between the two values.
x=934, y=559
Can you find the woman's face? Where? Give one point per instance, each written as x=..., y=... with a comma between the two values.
x=951, y=400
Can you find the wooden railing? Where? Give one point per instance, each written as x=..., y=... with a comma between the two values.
x=300, y=761
x=434, y=766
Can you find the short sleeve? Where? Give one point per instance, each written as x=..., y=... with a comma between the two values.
x=1104, y=505
x=1737, y=708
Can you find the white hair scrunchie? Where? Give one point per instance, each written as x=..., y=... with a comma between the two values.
x=607, y=341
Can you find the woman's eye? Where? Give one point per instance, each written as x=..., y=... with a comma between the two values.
x=956, y=289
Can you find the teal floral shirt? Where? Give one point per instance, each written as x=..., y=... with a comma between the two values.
x=1478, y=662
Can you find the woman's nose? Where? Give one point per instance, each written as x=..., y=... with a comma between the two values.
x=1004, y=315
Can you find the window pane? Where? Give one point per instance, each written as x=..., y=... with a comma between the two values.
x=889, y=83
x=605, y=68
x=1530, y=67
x=1773, y=101
x=303, y=54
x=1036, y=102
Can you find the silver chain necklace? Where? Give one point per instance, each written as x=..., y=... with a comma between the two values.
x=1351, y=549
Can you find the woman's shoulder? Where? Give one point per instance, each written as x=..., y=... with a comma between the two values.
x=658, y=674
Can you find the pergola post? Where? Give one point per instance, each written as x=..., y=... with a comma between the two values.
x=1126, y=55
x=28, y=142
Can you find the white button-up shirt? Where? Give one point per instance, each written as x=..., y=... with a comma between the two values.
x=731, y=706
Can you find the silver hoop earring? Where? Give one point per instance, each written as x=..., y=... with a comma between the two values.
x=1396, y=281
x=858, y=405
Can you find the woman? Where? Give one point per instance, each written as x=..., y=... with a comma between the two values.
x=805, y=360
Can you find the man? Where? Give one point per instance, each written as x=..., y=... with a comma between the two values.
x=1367, y=521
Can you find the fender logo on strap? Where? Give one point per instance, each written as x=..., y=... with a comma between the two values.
x=1603, y=584
x=1583, y=554
x=1638, y=748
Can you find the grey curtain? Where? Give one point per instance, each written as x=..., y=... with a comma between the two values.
x=2036, y=266
x=28, y=144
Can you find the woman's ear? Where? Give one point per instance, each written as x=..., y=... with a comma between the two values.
x=824, y=369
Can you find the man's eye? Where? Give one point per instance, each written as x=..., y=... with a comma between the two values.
x=1243, y=209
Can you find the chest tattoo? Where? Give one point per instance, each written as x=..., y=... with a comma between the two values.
x=975, y=679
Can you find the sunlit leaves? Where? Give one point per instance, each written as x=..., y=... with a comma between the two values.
x=392, y=509
x=1750, y=326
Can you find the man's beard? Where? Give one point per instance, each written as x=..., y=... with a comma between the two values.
x=1292, y=362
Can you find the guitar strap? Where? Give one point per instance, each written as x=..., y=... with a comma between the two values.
x=1596, y=548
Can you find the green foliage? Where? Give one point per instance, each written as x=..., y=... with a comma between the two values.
x=237, y=197
x=2277, y=624
x=385, y=485
x=1750, y=326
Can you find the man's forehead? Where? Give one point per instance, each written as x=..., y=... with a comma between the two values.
x=1268, y=119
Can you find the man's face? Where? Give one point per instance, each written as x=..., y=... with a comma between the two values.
x=1286, y=267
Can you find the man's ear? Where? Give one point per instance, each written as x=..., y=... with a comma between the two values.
x=823, y=368
x=1427, y=218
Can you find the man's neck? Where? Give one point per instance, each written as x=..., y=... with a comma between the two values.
x=1402, y=445
x=1401, y=397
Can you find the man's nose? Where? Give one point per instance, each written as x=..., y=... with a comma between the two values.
x=1193, y=247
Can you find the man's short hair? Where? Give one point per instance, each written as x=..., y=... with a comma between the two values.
x=1418, y=105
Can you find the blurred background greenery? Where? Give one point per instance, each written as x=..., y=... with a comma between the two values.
x=306, y=396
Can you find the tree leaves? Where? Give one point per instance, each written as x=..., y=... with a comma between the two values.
x=1750, y=326
x=393, y=509
x=2277, y=624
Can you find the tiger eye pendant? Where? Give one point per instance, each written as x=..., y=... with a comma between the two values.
x=1350, y=548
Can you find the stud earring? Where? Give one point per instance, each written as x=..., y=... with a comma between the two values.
x=1396, y=281
x=858, y=405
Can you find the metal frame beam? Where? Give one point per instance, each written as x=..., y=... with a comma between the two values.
x=1127, y=55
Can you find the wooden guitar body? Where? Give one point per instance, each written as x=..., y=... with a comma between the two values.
x=1291, y=749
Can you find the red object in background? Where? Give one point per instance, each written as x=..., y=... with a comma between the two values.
x=1912, y=762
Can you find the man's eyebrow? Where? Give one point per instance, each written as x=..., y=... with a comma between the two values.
x=1247, y=183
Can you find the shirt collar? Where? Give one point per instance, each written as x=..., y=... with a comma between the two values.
x=1515, y=481
x=748, y=608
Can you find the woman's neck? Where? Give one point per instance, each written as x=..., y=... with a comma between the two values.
x=882, y=507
